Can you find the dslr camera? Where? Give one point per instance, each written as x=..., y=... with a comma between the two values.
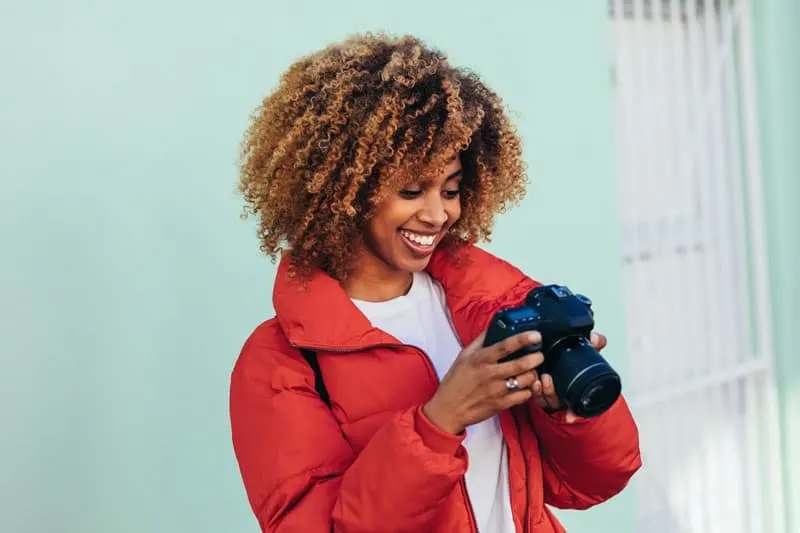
x=583, y=379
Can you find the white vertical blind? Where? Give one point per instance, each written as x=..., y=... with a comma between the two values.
x=694, y=258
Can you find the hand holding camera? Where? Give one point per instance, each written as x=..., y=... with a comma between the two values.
x=549, y=336
x=477, y=386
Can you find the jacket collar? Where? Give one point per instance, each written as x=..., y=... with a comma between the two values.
x=321, y=316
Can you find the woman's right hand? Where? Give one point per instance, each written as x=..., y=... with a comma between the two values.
x=474, y=388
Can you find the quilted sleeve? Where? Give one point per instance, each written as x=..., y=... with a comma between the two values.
x=589, y=461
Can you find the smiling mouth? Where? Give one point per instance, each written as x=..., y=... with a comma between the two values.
x=419, y=243
x=418, y=238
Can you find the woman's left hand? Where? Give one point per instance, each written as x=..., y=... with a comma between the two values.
x=544, y=392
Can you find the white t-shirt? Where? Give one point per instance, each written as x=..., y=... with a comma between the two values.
x=420, y=318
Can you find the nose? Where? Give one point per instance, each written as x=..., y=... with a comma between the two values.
x=433, y=212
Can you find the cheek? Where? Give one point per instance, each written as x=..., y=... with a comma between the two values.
x=394, y=216
x=453, y=213
x=381, y=232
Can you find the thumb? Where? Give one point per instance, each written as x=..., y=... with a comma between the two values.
x=476, y=344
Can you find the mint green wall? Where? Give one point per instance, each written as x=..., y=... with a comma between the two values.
x=777, y=26
x=128, y=282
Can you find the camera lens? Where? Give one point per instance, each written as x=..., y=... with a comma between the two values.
x=596, y=398
x=584, y=379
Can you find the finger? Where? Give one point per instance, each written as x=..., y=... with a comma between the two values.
x=538, y=394
x=475, y=345
x=570, y=417
x=526, y=339
x=499, y=387
x=527, y=379
x=549, y=392
x=514, y=398
x=599, y=341
x=524, y=364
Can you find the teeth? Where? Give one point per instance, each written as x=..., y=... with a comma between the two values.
x=422, y=240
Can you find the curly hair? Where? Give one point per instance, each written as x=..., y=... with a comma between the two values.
x=358, y=120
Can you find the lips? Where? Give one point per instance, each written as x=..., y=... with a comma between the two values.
x=418, y=238
x=420, y=243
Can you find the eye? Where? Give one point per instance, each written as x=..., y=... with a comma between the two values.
x=410, y=193
x=451, y=194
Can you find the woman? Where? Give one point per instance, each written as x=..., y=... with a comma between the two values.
x=374, y=168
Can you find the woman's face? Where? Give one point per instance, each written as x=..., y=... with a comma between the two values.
x=407, y=226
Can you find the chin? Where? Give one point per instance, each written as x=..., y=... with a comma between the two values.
x=422, y=264
x=408, y=264
x=419, y=267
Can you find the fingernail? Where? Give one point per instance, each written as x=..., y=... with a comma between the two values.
x=595, y=338
x=533, y=336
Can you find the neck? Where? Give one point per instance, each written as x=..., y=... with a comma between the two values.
x=372, y=282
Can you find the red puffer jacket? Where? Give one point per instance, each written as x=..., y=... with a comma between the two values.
x=374, y=463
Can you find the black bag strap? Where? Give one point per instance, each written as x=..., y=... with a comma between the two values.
x=319, y=384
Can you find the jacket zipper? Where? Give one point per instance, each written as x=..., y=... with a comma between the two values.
x=432, y=370
x=463, y=482
x=526, y=525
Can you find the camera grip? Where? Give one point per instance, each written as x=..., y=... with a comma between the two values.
x=501, y=328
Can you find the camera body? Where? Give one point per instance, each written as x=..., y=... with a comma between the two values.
x=583, y=379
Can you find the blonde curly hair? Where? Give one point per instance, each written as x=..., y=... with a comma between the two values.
x=358, y=120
